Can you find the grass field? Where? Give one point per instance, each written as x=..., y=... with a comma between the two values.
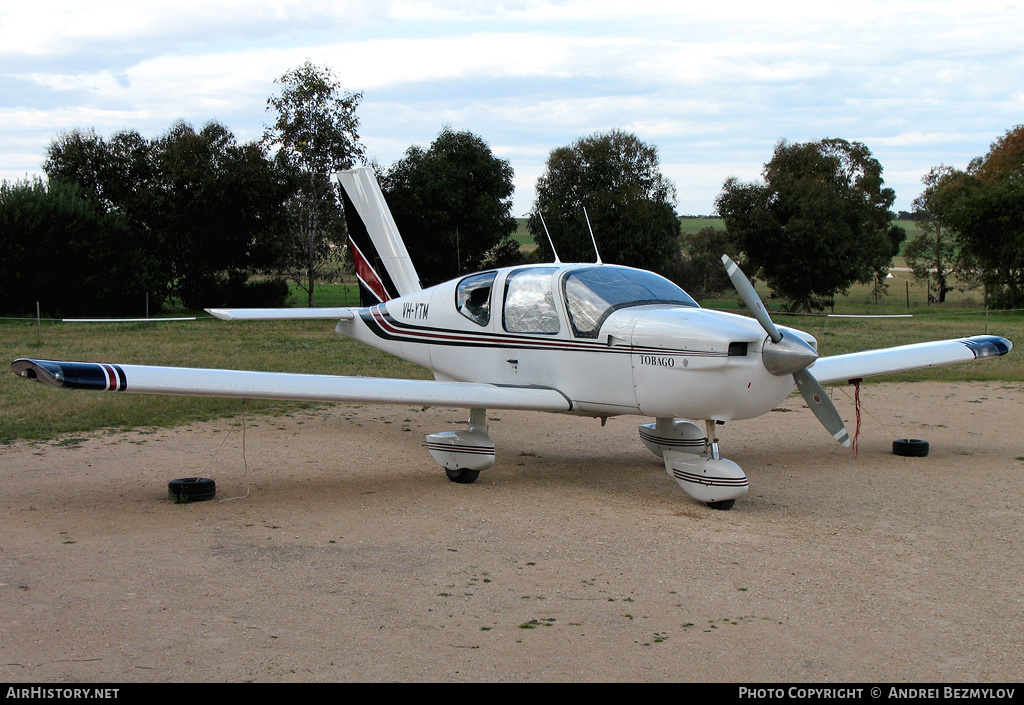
x=33, y=411
x=337, y=294
x=692, y=226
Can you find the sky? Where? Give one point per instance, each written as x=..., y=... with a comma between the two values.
x=713, y=85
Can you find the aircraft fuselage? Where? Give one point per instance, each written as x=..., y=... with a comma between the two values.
x=561, y=326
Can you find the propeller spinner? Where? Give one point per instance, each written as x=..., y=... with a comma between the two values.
x=789, y=355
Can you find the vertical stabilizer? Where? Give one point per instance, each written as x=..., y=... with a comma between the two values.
x=382, y=262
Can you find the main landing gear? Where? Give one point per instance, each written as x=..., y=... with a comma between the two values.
x=692, y=459
x=463, y=454
x=463, y=476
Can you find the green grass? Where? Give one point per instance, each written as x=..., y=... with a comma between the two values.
x=692, y=226
x=837, y=336
x=901, y=295
x=961, y=315
x=344, y=293
x=34, y=411
x=522, y=235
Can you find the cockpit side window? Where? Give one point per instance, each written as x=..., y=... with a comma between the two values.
x=473, y=297
x=591, y=295
x=530, y=302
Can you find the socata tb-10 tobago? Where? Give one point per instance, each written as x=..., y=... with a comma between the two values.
x=589, y=339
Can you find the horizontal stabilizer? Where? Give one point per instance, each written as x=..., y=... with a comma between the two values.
x=282, y=314
x=145, y=379
x=868, y=363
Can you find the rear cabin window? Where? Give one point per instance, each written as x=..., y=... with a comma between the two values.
x=591, y=295
x=530, y=302
x=473, y=297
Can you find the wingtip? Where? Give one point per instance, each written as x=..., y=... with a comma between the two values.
x=24, y=367
x=44, y=371
x=984, y=346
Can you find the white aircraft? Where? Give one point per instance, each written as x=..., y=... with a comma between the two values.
x=595, y=340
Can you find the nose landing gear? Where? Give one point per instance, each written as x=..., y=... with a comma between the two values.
x=692, y=459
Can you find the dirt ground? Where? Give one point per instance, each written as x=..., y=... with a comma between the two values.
x=576, y=558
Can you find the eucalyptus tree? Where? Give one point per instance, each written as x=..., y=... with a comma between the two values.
x=614, y=180
x=817, y=223
x=452, y=202
x=315, y=134
x=203, y=208
x=983, y=208
x=218, y=209
x=932, y=253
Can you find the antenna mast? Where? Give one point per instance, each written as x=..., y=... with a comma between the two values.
x=592, y=238
x=553, y=251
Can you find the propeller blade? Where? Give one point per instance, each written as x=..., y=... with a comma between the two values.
x=746, y=291
x=791, y=357
x=814, y=394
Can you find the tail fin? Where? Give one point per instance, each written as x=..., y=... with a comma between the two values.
x=382, y=262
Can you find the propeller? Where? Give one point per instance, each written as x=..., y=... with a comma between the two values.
x=789, y=355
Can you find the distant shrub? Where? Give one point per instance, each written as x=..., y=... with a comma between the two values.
x=60, y=249
x=236, y=290
x=267, y=293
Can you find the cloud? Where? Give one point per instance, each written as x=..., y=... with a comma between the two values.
x=714, y=87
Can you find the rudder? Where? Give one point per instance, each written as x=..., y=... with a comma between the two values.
x=382, y=262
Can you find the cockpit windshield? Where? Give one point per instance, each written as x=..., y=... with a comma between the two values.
x=591, y=295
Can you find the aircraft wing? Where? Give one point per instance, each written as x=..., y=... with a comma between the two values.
x=280, y=314
x=145, y=379
x=838, y=368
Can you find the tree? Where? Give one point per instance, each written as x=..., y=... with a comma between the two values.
x=205, y=209
x=630, y=204
x=932, y=253
x=984, y=207
x=703, y=251
x=453, y=205
x=218, y=209
x=316, y=135
x=117, y=173
x=60, y=248
x=1005, y=158
x=819, y=221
